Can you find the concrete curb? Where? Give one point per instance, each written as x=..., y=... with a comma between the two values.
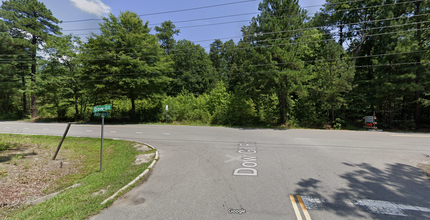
x=137, y=178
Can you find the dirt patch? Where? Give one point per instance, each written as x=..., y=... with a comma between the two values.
x=142, y=148
x=28, y=173
x=143, y=158
x=425, y=168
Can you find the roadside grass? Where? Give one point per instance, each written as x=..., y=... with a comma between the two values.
x=428, y=172
x=84, y=200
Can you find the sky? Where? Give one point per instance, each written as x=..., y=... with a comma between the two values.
x=201, y=32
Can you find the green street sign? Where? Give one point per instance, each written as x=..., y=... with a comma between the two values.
x=102, y=108
x=100, y=114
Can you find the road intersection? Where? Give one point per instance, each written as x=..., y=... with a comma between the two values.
x=239, y=173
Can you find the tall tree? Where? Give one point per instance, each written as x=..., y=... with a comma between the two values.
x=31, y=20
x=165, y=35
x=193, y=69
x=273, y=36
x=125, y=60
x=61, y=75
x=12, y=64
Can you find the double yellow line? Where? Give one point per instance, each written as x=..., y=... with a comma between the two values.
x=302, y=205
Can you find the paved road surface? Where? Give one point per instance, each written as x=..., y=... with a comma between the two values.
x=233, y=173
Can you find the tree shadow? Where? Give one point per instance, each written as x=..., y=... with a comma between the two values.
x=396, y=183
x=19, y=156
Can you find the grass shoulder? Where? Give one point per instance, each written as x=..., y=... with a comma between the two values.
x=28, y=174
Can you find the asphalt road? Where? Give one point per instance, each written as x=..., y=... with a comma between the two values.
x=234, y=173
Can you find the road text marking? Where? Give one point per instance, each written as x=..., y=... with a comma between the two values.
x=388, y=208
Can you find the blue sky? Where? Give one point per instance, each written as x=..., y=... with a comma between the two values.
x=72, y=10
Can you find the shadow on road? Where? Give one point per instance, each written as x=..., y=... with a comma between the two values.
x=396, y=183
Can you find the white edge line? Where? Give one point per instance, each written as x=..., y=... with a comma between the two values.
x=137, y=178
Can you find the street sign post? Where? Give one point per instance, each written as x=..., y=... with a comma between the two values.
x=102, y=114
x=100, y=111
x=102, y=108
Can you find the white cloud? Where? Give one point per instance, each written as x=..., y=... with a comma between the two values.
x=96, y=7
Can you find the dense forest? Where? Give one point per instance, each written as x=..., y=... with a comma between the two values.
x=349, y=60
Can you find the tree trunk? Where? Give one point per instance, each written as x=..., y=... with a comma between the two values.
x=33, y=79
x=390, y=108
x=76, y=106
x=133, y=106
x=7, y=103
x=418, y=70
x=283, y=119
x=24, y=99
x=332, y=114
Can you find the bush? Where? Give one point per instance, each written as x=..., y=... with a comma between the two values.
x=240, y=110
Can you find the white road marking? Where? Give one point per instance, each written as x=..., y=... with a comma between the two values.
x=89, y=130
x=166, y=133
x=238, y=158
x=112, y=131
x=46, y=129
x=139, y=132
x=388, y=208
x=7, y=127
x=312, y=202
x=26, y=128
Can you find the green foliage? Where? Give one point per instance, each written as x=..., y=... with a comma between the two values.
x=193, y=70
x=186, y=107
x=33, y=24
x=280, y=72
x=218, y=98
x=165, y=35
x=60, y=79
x=268, y=109
x=240, y=110
x=338, y=123
x=125, y=59
x=271, y=43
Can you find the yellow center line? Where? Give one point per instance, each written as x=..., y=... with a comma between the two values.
x=305, y=211
x=296, y=209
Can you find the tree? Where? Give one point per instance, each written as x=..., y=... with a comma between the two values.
x=11, y=71
x=332, y=77
x=216, y=54
x=165, y=35
x=61, y=76
x=193, y=69
x=125, y=60
x=30, y=20
x=276, y=51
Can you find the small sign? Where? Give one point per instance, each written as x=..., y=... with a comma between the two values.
x=167, y=107
x=100, y=114
x=368, y=119
x=102, y=108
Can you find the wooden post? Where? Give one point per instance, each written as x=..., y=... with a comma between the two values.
x=62, y=139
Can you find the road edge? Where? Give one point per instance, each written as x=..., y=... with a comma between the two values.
x=137, y=178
